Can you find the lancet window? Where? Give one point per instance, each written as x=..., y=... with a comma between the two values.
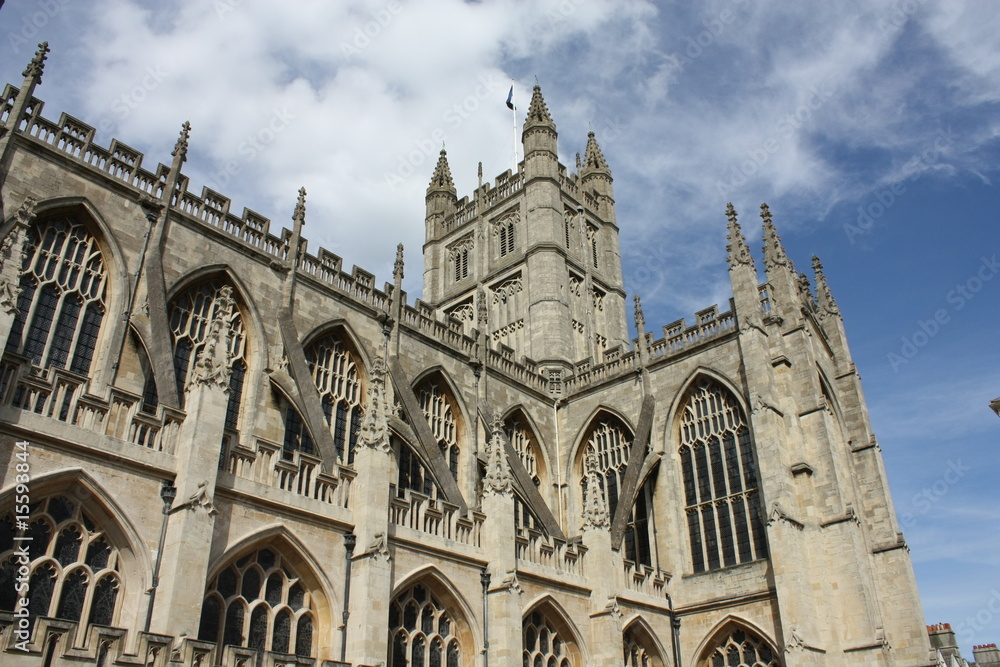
x=297, y=438
x=191, y=314
x=544, y=645
x=440, y=411
x=63, y=296
x=410, y=472
x=723, y=506
x=422, y=632
x=610, y=441
x=741, y=648
x=258, y=602
x=335, y=371
x=74, y=567
x=635, y=654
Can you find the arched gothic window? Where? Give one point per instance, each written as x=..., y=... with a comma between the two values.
x=504, y=231
x=421, y=631
x=411, y=473
x=440, y=410
x=191, y=314
x=634, y=654
x=297, y=438
x=639, y=647
x=543, y=644
x=258, y=602
x=723, y=503
x=741, y=648
x=610, y=441
x=523, y=441
x=74, y=567
x=63, y=290
x=335, y=371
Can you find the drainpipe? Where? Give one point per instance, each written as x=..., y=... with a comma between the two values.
x=167, y=493
x=349, y=541
x=484, y=579
x=675, y=632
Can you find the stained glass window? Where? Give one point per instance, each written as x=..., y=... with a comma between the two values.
x=334, y=368
x=440, y=411
x=263, y=582
x=720, y=480
x=63, y=570
x=421, y=630
x=63, y=276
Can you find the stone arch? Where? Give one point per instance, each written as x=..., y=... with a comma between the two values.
x=117, y=287
x=576, y=451
x=341, y=327
x=460, y=465
x=720, y=634
x=646, y=636
x=833, y=401
x=676, y=406
x=469, y=634
x=325, y=608
x=552, y=612
x=437, y=370
x=531, y=427
x=136, y=566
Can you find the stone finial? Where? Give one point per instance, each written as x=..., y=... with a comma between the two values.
x=374, y=429
x=181, y=147
x=213, y=365
x=538, y=112
x=482, y=309
x=441, y=180
x=15, y=244
x=640, y=320
x=397, y=267
x=498, y=477
x=593, y=159
x=825, y=302
x=738, y=254
x=774, y=251
x=299, y=214
x=37, y=64
x=595, y=504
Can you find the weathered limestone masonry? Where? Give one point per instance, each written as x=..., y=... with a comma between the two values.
x=238, y=453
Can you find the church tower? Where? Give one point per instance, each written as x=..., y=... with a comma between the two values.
x=536, y=253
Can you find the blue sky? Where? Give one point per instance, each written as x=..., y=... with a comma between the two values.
x=870, y=128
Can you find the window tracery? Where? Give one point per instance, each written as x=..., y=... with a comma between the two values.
x=258, y=602
x=63, y=291
x=741, y=648
x=635, y=653
x=440, y=412
x=74, y=567
x=544, y=645
x=422, y=632
x=723, y=505
x=335, y=371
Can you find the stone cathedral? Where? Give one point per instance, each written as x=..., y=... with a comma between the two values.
x=219, y=447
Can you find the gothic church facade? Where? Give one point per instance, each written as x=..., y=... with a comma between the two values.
x=220, y=447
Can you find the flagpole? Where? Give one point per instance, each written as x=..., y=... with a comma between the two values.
x=513, y=136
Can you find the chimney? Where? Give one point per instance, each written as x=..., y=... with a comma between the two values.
x=986, y=655
x=943, y=639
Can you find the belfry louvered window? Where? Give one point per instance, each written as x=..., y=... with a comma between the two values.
x=335, y=371
x=62, y=301
x=258, y=602
x=191, y=315
x=722, y=499
x=505, y=236
x=612, y=445
x=421, y=631
x=74, y=568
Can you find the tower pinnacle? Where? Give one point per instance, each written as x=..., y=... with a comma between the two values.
x=774, y=251
x=738, y=252
x=538, y=112
x=441, y=180
x=824, y=298
x=37, y=64
x=593, y=159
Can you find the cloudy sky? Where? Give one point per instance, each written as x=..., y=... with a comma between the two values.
x=869, y=127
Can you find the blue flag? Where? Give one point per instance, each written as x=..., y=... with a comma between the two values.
x=510, y=98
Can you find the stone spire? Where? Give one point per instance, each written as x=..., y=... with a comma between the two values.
x=595, y=504
x=738, y=252
x=374, y=430
x=498, y=477
x=774, y=252
x=593, y=159
x=441, y=180
x=37, y=65
x=212, y=366
x=181, y=147
x=299, y=215
x=397, y=266
x=824, y=298
x=538, y=112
